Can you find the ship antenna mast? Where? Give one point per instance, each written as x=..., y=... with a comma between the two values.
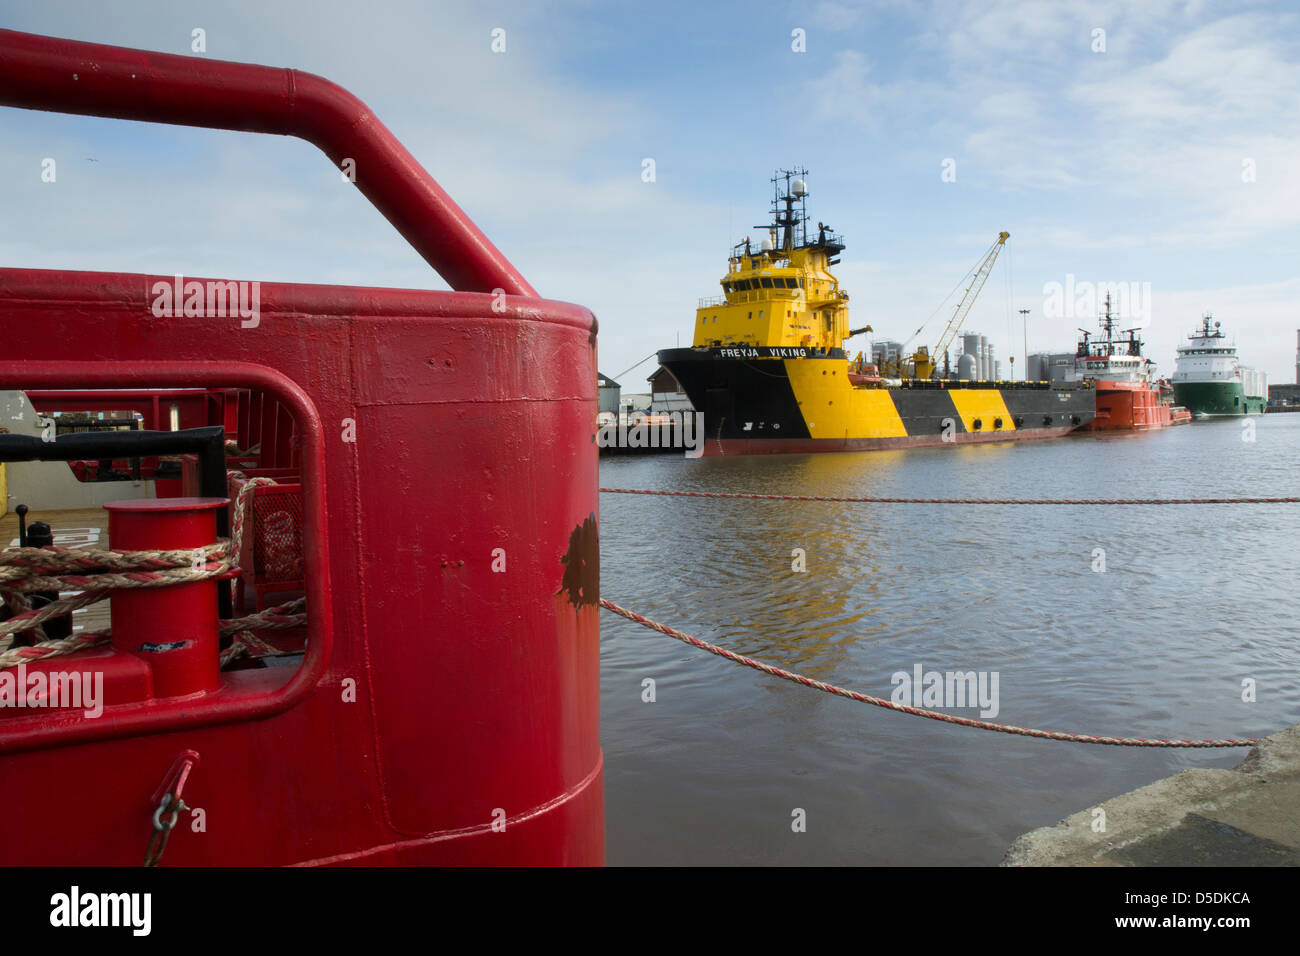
x=1107, y=322
x=791, y=224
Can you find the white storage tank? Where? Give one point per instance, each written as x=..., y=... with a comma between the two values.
x=970, y=345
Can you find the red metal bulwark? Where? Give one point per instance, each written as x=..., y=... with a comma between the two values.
x=446, y=710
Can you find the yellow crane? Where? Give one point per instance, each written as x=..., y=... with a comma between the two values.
x=922, y=361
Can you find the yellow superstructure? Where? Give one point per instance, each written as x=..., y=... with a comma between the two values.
x=782, y=293
x=776, y=297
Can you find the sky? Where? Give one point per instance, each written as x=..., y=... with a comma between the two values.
x=1154, y=144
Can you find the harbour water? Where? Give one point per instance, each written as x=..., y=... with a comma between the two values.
x=1193, y=601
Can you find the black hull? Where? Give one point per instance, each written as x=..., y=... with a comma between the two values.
x=782, y=403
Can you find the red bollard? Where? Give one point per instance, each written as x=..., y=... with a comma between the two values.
x=172, y=629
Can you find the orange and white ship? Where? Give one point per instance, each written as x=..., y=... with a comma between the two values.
x=1129, y=397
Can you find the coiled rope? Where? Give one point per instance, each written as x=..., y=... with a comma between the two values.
x=914, y=711
x=97, y=573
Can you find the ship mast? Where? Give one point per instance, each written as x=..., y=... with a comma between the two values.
x=787, y=189
x=1108, y=323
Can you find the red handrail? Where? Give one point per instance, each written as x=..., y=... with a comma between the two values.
x=68, y=76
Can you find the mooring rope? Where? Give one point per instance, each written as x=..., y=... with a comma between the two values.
x=914, y=711
x=957, y=501
x=97, y=573
x=131, y=569
x=283, y=617
x=248, y=644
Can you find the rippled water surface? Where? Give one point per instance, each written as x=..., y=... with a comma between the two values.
x=1194, y=599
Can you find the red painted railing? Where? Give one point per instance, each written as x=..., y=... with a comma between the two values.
x=67, y=76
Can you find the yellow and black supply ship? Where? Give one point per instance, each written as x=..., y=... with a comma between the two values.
x=769, y=371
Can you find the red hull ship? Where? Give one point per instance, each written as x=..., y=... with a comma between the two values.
x=1132, y=406
x=1128, y=396
x=417, y=467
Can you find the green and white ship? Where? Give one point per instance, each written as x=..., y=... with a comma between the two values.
x=1209, y=381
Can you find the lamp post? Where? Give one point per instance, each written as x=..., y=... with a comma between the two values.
x=1024, y=316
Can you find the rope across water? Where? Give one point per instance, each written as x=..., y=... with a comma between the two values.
x=957, y=501
x=914, y=711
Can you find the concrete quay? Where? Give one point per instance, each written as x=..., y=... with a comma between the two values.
x=1246, y=816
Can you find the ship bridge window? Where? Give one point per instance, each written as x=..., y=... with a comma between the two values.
x=767, y=283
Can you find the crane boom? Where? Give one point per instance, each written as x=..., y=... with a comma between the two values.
x=922, y=361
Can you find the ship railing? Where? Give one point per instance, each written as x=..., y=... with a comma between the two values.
x=756, y=295
x=990, y=384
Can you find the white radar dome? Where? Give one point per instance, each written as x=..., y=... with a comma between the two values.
x=765, y=245
x=799, y=188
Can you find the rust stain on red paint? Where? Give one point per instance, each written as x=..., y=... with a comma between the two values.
x=582, y=565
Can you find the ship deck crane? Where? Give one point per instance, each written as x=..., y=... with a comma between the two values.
x=922, y=361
